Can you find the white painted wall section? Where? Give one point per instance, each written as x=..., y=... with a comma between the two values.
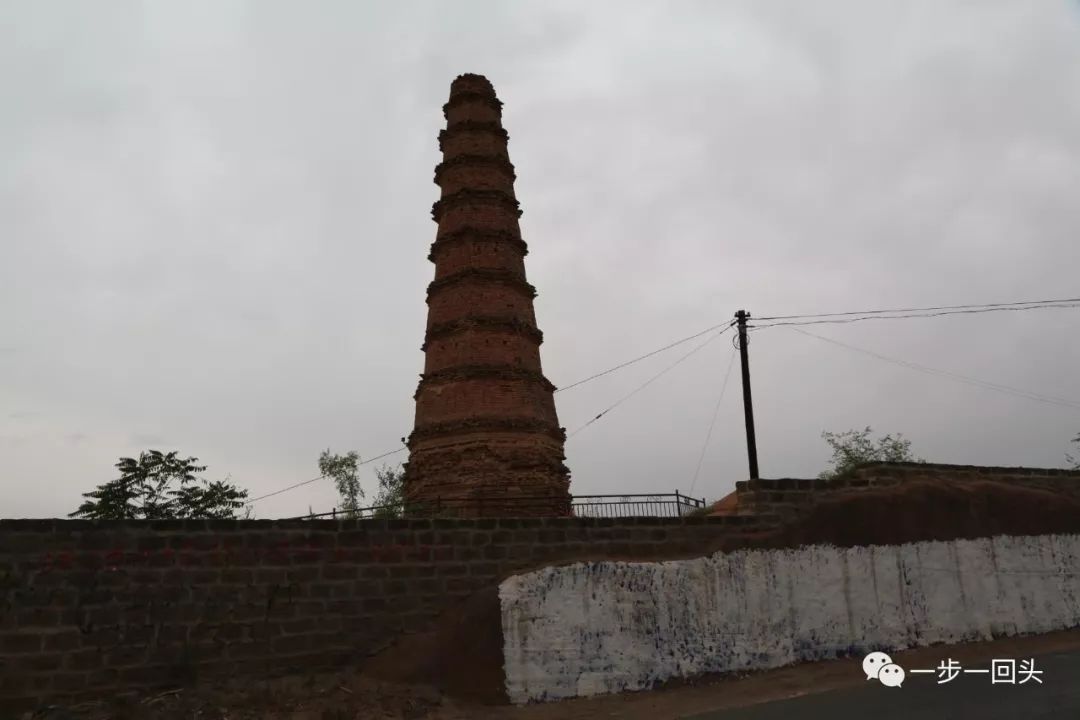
x=593, y=628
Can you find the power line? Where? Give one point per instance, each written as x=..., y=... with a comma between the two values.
x=282, y=490
x=912, y=315
x=643, y=357
x=321, y=477
x=580, y=382
x=807, y=320
x=712, y=423
x=650, y=381
x=954, y=376
x=870, y=315
x=924, y=309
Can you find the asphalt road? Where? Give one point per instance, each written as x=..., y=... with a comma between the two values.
x=968, y=696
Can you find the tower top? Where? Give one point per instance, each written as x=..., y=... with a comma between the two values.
x=470, y=83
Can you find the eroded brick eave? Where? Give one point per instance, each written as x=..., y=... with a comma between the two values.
x=481, y=426
x=468, y=197
x=482, y=275
x=483, y=372
x=499, y=163
x=484, y=323
x=477, y=235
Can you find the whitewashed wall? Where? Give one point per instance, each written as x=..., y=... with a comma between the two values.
x=592, y=628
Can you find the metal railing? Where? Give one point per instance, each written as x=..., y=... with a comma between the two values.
x=656, y=505
x=611, y=506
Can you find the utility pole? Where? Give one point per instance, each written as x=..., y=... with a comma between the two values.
x=748, y=403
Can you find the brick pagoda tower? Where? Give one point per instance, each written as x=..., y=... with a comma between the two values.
x=486, y=435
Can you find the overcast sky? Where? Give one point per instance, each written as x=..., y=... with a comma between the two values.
x=214, y=226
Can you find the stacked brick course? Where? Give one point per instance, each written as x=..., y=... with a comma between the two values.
x=486, y=426
x=788, y=497
x=89, y=610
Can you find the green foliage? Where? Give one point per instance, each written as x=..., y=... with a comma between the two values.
x=344, y=471
x=855, y=447
x=161, y=486
x=391, y=496
x=1073, y=460
x=212, y=499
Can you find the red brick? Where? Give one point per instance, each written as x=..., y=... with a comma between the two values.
x=482, y=361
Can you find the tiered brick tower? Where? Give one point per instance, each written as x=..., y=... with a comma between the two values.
x=486, y=434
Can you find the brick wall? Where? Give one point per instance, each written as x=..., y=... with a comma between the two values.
x=90, y=609
x=457, y=301
x=785, y=497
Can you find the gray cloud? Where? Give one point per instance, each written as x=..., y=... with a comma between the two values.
x=216, y=225
x=147, y=440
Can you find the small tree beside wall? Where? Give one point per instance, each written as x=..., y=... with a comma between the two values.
x=856, y=447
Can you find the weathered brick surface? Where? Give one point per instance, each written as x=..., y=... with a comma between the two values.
x=479, y=253
x=785, y=497
x=479, y=345
x=493, y=174
x=473, y=139
x=483, y=397
x=467, y=297
x=486, y=426
x=90, y=609
x=479, y=214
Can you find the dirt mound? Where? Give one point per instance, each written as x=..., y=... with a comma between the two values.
x=344, y=695
x=446, y=674
x=930, y=510
x=727, y=505
x=461, y=656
